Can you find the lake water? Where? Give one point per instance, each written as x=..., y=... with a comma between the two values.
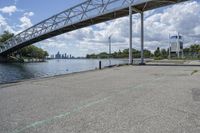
x=11, y=72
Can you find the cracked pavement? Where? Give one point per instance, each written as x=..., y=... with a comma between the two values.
x=139, y=99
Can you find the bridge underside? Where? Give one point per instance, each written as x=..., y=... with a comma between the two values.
x=3, y=59
x=139, y=8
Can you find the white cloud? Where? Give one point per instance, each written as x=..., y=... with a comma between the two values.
x=26, y=21
x=8, y=9
x=29, y=14
x=4, y=26
x=183, y=17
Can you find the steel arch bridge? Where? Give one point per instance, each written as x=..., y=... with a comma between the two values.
x=82, y=15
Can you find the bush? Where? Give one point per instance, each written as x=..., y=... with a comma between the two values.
x=158, y=58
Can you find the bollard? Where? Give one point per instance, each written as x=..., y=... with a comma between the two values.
x=100, y=65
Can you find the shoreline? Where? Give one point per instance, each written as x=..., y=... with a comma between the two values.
x=43, y=78
x=20, y=60
x=56, y=76
x=148, y=63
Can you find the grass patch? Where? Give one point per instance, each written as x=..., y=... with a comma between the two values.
x=193, y=72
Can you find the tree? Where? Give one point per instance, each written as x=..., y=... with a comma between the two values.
x=29, y=51
x=5, y=36
x=147, y=53
x=136, y=53
x=194, y=48
x=103, y=55
x=46, y=54
x=164, y=53
x=91, y=56
x=33, y=52
x=186, y=50
x=157, y=53
x=122, y=54
x=192, y=52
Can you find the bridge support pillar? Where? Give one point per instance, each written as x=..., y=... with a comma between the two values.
x=130, y=36
x=142, y=39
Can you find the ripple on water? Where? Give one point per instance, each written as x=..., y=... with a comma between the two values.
x=11, y=72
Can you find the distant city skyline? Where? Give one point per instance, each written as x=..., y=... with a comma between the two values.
x=17, y=15
x=59, y=55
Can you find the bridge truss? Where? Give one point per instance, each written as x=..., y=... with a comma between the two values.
x=82, y=15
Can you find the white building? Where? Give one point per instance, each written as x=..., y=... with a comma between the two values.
x=176, y=45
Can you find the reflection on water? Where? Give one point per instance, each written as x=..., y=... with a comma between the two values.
x=15, y=71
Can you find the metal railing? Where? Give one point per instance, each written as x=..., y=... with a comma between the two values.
x=79, y=13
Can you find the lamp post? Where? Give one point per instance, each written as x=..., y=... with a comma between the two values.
x=169, y=47
x=109, y=40
x=178, y=45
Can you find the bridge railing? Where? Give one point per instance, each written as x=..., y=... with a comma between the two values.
x=80, y=12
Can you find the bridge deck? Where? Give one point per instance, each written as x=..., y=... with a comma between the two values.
x=78, y=17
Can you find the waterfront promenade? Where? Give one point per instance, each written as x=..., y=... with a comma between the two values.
x=128, y=99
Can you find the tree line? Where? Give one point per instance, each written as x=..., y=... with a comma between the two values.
x=192, y=52
x=30, y=51
x=121, y=54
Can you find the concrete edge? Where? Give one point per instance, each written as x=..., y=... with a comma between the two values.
x=18, y=82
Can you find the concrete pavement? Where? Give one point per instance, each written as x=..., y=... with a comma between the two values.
x=139, y=99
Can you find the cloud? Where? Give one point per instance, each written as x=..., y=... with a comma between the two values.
x=26, y=21
x=183, y=18
x=28, y=14
x=8, y=9
x=4, y=26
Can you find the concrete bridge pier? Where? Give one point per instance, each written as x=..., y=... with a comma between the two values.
x=130, y=35
x=142, y=39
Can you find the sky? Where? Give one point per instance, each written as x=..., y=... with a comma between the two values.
x=17, y=15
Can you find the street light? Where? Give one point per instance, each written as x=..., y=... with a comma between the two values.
x=169, y=46
x=109, y=40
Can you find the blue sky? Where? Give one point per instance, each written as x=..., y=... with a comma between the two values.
x=42, y=8
x=17, y=15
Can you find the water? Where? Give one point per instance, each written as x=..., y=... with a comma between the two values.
x=11, y=72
